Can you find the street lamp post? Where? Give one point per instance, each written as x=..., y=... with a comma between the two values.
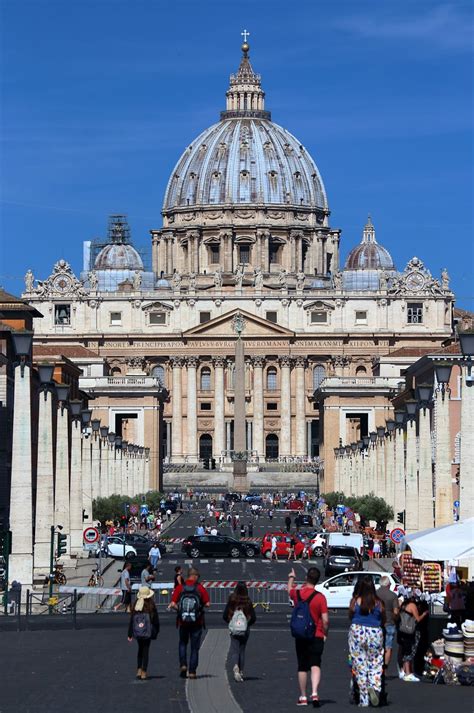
x=399, y=494
x=365, y=466
x=411, y=478
x=443, y=477
x=425, y=469
x=21, y=497
x=61, y=486
x=76, y=504
x=86, y=464
x=44, y=511
x=347, y=471
x=466, y=476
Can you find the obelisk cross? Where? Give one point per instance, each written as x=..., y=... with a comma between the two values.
x=245, y=34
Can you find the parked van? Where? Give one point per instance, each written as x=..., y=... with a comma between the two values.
x=346, y=539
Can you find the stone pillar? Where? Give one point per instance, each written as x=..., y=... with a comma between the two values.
x=129, y=475
x=87, y=477
x=285, y=406
x=147, y=474
x=390, y=469
x=104, y=469
x=177, y=410
x=399, y=494
x=363, y=473
x=44, y=484
x=21, y=501
x=95, y=466
x=443, y=479
x=76, y=489
x=466, y=478
x=380, y=486
x=425, y=474
x=219, y=407
x=337, y=472
x=411, y=480
x=110, y=467
x=300, y=402
x=61, y=489
x=373, y=469
x=123, y=473
x=192, y=449
x=258, y=407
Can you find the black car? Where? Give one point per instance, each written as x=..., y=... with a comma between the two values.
x=342, y=559
x=304, y=520
x=233, y=497
x=217, y=546
x=142, y=544
x=169, y=505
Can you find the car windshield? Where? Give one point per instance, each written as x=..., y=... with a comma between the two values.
x=342, y=552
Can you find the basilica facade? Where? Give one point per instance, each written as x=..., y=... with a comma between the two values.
x=245, y=232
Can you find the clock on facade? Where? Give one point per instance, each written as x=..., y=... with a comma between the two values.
x=415, y=281
x=62, y=283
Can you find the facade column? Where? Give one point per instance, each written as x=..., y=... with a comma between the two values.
x=104, y=469
x=219, y=408
x=425, y=475
x=95, y=465
x=258, y=406
x=147, y=470
x=62, y=514
x=443, y=479
x=110, y=467
x=380, y=485
x=390, y=469
x=337, y=470
x=44, y=484
x=285, y=406
x=399, y=494
x=411, y=480
x=192, y=449
x=76, y=488
x=466, y=478
x=21, y=499
x=300, y=402
x=177, y=410
x=87, y=477
x=129, y=474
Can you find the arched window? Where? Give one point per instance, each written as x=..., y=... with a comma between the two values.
x=361, y=371
x=271, y=379
x=319, y=372
x=205, y=379
x=159, y=373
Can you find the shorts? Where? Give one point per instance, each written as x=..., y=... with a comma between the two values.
x=126, y=598
x=390, y=631
x=309, y=652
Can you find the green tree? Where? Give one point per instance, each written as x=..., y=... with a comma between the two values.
x=113, y=506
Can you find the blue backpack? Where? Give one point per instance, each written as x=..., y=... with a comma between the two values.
x=302, y=624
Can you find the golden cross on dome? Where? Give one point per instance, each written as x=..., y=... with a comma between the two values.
x=245, y=34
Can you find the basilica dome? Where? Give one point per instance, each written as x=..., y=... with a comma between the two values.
x=245, y=159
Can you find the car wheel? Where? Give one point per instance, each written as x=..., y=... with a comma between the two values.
x=194, y=553
x=250, y=552
x=318, y=552
x=235, y=553
x=130, y=556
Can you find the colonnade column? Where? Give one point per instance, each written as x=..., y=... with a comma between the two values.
x=76, y=484
x=192, y=449
x=399, y=494
x=300, y=421
x=443, y=481
x=219, y=407
x=285, y=406
x=177, y=410
x=425, y=475
x=466, y=478
x=411, y=480
x=44, y=483
x=61, y=489
x=258, y=406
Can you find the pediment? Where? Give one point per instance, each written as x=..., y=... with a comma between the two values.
x=157, y=305
x=319, y=304
x=254, y=327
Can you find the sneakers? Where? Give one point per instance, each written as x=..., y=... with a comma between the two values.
x=237, y=675
x=139, y=673
x=373, y=697
x=143, y=676
x=193, y=676
x=411, y=678
x=401, y=674
x=302, y=701
x=183, y=671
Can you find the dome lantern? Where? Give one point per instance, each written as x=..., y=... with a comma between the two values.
x=245, y=96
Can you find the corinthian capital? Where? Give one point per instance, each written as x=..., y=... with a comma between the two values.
x=258, y=362
x=192, y=361
x=176, y=362
x=285, y=360
x=219, y=362
x=300, y=361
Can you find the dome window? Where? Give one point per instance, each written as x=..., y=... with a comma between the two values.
x=297, y=175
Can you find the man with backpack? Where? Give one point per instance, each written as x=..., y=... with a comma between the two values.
x=309, y=627
x=189, y=600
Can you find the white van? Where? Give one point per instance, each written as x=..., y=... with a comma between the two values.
x=346, y=539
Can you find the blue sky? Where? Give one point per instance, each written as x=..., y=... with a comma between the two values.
x=99, y=99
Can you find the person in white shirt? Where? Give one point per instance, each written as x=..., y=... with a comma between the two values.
x=274, y=548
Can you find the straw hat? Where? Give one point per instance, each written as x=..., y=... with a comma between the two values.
x=143, y=593
x=468, y=628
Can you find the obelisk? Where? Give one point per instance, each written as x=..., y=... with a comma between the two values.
x=240, y=445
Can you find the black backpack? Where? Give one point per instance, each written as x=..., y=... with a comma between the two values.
x=190, y=605
x=142, y=625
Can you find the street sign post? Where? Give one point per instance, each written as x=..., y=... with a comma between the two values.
x=397, y=535
x=90, y=535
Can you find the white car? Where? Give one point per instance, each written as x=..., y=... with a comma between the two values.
x=338, y=589
x=113, y=547
x=317, y=545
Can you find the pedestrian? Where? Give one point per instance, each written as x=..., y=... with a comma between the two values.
x=200, y=530
x=366, y=647
x=213, y=531
x=189, y=601
x=408, y=637
x=178, y=576
x=147, y=577
x=273, y=552
x=270, y=514
x=144, y=626
x=376, y=549
x=154, y=555
x=242, y=530
x=126, y=587
x=239, y=614
x=288, y=523
x=309, y=626
x=392, y=608
x=168, y=514
x=250, y=529
x=291, y=548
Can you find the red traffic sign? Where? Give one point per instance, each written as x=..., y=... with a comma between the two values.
x=134, y=509
x=90, y=535
x=397, y=535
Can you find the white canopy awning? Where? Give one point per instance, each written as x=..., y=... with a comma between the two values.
x=450, y=542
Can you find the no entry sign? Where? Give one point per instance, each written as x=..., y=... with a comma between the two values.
x=397, y=535
x=90, y=535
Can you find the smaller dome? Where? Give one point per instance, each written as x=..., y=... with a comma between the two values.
x=162, y=284
x=118, y=256
x=369, y=255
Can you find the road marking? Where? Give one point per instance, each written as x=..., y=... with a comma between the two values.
x=250, y=560
x=204, y=561
x=220, y=561
x=211, y=691
x=235, y=560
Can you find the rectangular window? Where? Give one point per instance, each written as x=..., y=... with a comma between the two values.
x=204, y=317
x=157, y=317
x=415, y=313
x=274, y=253
x=319, y=317
x=62, y=314
x=244, y=253
x=214, y=250
x=271, y=316
x=115, y=319
x=361, y=317
x=205, y=406
x=272, y=406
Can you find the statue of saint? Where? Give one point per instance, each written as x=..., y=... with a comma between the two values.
x=192, y=280
x=176, y=281
x=218, y=278
x=283, y=278
x=258, y=278
x=29, y=281
x=93, y=280
x=337, y=280
x=137, y=280
x=239, y=276
x=383, y=281
x=300, y=280
x=445, y=280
